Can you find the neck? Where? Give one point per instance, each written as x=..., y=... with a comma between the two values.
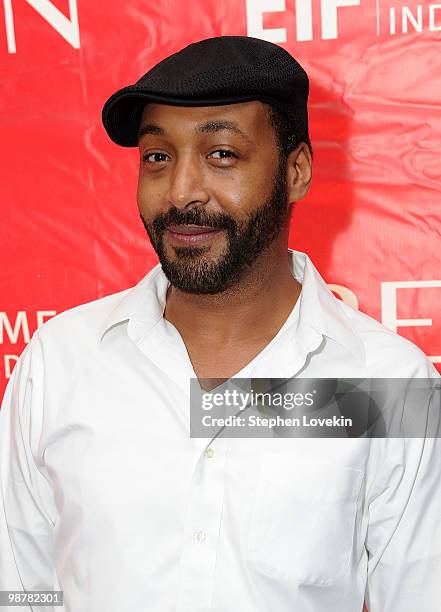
x=255, y=308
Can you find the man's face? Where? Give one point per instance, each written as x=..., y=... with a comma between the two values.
x=211, y=191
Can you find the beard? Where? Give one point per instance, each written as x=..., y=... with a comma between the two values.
x=191, y=270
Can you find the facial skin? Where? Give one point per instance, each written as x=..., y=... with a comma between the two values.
x=213, y=193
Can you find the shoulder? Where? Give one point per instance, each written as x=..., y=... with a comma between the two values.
x=76, y=331
x=387, y=353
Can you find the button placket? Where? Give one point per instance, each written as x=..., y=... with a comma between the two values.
x=206, y=497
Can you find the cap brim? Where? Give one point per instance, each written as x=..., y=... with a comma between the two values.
x=123, y=111
x=121, y=116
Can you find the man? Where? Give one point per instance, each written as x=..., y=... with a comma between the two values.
x=105, y=494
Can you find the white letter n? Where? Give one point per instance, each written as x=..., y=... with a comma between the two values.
x=68, y=28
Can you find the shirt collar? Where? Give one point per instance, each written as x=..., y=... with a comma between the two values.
x=143, y=303
x=319, y=308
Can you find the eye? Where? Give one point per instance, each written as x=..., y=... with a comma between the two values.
x=223, y=154
x=155, y=157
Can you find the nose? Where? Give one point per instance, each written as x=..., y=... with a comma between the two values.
x=187, y=183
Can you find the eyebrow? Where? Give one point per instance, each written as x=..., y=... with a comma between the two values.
x=150, y=128
x=208, y=127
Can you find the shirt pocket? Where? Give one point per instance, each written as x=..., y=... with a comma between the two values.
x=303, y=520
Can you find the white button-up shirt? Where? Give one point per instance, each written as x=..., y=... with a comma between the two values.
x=105, y=496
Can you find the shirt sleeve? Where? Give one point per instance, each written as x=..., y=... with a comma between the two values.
x=404, y=531
x=27, y=512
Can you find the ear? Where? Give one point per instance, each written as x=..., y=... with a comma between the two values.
x=298, y=172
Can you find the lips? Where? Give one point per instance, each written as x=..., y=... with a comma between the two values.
x=191, y=230
x=191, y=234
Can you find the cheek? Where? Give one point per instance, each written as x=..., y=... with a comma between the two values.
x=243, y=194
x=148, y=198
x=236, y=195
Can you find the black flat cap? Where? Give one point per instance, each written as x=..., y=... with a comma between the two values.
x=215, y=71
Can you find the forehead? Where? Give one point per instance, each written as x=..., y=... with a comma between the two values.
x=249, y=116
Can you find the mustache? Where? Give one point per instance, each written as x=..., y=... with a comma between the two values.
x=194, y=216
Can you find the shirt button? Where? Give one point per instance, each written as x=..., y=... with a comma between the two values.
x=209, y=452
x=201, y=536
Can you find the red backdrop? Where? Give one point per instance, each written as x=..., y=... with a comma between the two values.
x=70, y=230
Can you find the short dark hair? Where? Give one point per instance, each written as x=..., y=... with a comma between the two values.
x=287, y=133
